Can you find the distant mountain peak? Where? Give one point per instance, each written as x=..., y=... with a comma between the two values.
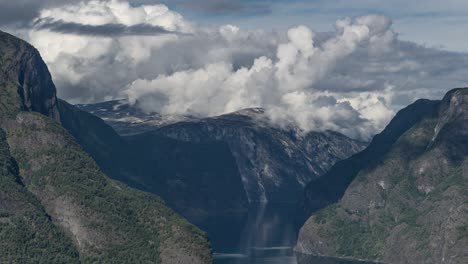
x=254, y=111
x=129, y=119
x=274, y=162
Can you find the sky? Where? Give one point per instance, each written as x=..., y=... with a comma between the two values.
x=343, y=65
x=434, y=23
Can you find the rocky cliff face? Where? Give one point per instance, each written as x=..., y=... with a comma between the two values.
x=274, y=164
x=56, y=205
x=196, y=179
x=331, y=187
x=24, y=77
x=411, y=204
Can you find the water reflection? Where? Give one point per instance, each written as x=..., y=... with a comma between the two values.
x=262, y=226
x=279, y=259
x=268, y=226
x=259, y=256
x=263, y=235
x=306, y=259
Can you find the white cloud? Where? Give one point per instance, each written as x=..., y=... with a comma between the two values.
x=116, y=11
x=284, y=85
x=351, y=80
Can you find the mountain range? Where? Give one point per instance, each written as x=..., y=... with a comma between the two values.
x=246, y=160
x=82, y=184
x=259, y=160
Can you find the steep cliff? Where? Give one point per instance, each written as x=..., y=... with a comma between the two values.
x=409, y=205
x=195, y=179
x=25, y=80
x=275, y=163
x=331, y=187
x=58, y=206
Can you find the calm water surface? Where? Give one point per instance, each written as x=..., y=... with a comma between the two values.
x=264, y=234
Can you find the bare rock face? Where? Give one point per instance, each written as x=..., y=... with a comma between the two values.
x=274, y=164
x=24, y=78
x=411, y=204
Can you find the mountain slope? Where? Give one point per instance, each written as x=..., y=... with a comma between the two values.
x=196, y=179
x=410, y=205
x=103, y=220
x=106, y=147
x=27, y=234
x=274, y=163
x=331, y=187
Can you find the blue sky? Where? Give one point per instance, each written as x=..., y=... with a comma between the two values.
x=435, y=23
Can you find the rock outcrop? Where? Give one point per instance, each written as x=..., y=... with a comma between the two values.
x=24, y=77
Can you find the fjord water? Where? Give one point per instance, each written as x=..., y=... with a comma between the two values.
x=264, y=235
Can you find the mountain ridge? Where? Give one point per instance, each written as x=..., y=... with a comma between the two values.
x=267, y=156
x=329, y=189
x=71, y=212
x=411, y=205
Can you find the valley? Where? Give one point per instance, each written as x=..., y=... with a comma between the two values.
x=225, y=150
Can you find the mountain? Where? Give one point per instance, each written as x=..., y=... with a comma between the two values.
x=25, y=80
x=331, y=187
x=27, y=234
x=402, y=200
x=130, y=120
x=274, y=164
x=56, y=205
x=196, y=179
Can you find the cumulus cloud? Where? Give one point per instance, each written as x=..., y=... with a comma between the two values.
x=283, y=85
x=97, y=67
x=98, y=13
x=351, y=80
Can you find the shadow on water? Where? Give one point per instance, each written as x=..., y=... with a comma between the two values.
x=264, y=234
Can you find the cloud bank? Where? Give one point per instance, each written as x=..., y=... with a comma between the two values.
x=107, y=30
x=351, y=80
